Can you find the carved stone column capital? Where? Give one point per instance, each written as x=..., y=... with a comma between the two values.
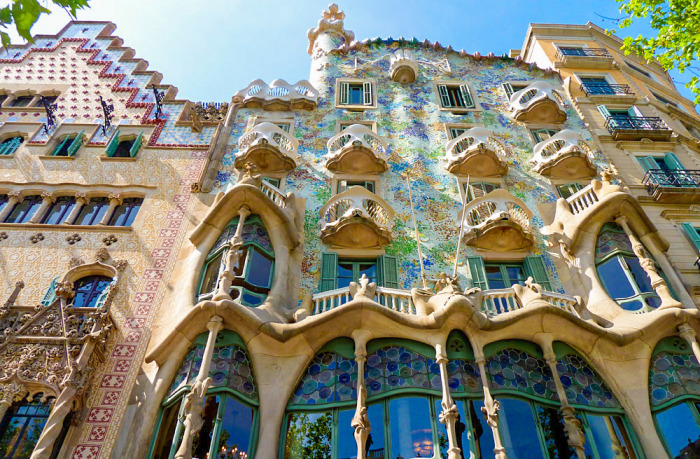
x=81, y=198
x=48, y=196
x=15, y=197
x=115, y=199
x=64, y=290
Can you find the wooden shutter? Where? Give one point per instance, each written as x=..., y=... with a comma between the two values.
x=50, y=295
x=635, y=112
x=60, y=145
x=137, y=145
x=77, y=142
x=329, y=270
x=648, y=162
x=103, y=296
x=477, y=272
x=604, y=110
x=344, y=93
x=534, y=265
x=367, y=93
x=508, y=88
x=692, y=235
x=113, y=144
x=387, y=271
x=673, y=162
x=466, y=96
x=444, y=96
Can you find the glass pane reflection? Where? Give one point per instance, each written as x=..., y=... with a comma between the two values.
x=202, y=440
x=609, y=440
x=555, y=438
x=411, y=432
x=518, y=430
x=308, y=436
x=462, y=431
x=483, y=437
x=236, y=427
x=615, y=279
x=680, y=439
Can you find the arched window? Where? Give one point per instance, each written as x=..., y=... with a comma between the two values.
x=90, y=291
x=255, y=267
x=620, y=272
x=22, y=425
x=674, y=393
x=230, y=408
x=9, y=145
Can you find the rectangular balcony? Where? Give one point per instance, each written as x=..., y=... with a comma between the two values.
x=637, y=128
x=584, y=57
x=604, y=89
x=673, y=186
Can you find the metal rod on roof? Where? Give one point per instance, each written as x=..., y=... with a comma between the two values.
x=461, y=227
x=415, y=226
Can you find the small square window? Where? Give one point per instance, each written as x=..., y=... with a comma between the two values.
x=512, y=88
x=568, y=190
x=540, y=135
x=455, y=96
x=21, y=101
x=356, y=93
x=455, y=132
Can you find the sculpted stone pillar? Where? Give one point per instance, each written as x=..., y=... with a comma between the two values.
x=9, y=393
x=360, y=422
x=449, y=413
x=647, y=264
x=232, y=256
x=671, y=273
x=687, y=332
x=115, y=200
x=575, y=436
x=491, y=407
x=81, y=200
x=46, y=200
x=194, y=400
x=13, y=198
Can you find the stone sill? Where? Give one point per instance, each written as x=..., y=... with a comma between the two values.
x=119, y=159
x=90, y=228
x=70, y=158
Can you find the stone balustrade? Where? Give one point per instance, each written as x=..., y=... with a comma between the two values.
x=395, y=299
x=269, y=147
x=582, y=199
x=565, y=155
x=357, y=149
x=501, y=301
x=538, y=103
x=278, y=95
x=476, y=152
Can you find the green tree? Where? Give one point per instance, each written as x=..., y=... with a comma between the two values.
x=24, y=14
x=309, y=439
x=677, y=43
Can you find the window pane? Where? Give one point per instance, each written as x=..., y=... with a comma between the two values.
x=669, y=422
x=236, y=428
x=202, y=440
x=515, y=275
x=640, y=276
x=494, y=277
x=21, y=428
x=461, y=430
x=369, y=270
x=88, y=291
x=259, y=270
x=123, y=148
x=356, y=94
x=166, y=432
x=59, y=210
x=308, y=436
x=518, y=430
x=24, y=211
x=555, y=438
x=411, y=432
x=92, y=213
x=125, y=214
x=211, y=274
x=615, y=280
x=483, y=436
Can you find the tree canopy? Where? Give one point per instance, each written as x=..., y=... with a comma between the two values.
x=23, y=14
x=677, y=43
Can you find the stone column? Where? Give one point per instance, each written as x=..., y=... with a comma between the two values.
x=647, y=263
x=449, y=413
x=575, y=436
x=13, y=198
x=8, y=394
x=671, y=273
x=491, y=408
x=687, y=332
x=81, y=200
x=194, y=400
x=115, y=200
x=46, y=200
x=232, y=256
x=360, y=422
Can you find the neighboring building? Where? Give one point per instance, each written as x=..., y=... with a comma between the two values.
x=244, y=280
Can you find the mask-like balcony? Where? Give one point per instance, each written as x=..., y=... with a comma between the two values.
x=538, y=103
x=357, y=150
x=592, y=58
x=624, y=127
x=673, y=186
x=357, y=218
x=498, y=221
x=278, y=95
x=564, y=155
x=269, y=148
x=476, y=152
x=403, y=67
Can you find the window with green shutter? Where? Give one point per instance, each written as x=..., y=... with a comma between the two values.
x=387, y=271
x=535, y=267
x=455, y=96
x=329, y=272
x=340, y=272
x=75, y=144
x=119, y=147
x=477, y=272
x=512, y=88
x=50, y=295
x=498, y=275
x=568, y=190
x=693, y=235
x=360, y=93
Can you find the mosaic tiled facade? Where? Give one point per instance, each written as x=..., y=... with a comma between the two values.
x=363, y=264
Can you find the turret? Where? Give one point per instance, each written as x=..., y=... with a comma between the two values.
x=328, y=36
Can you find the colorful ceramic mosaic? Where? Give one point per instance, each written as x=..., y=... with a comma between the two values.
x=513, y=369
x=396, y=367
x=609, y=241
x=672, y=375
x=583, y=386
x=230, y=367
x=329, y=378
x=463, y=376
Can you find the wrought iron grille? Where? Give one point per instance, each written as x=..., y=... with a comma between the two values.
x=679, y=178
x=582, y=52
x=594, y=89
x=643, y=123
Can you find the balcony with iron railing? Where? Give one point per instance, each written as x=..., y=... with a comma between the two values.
x=476, y=152
x=357, y=218
x=357, y=150
x=498, y=221
x=673, y=186
x=583, y=57
x=538, y=103
x=268, y=148
x=624, y=127
x=564, y=155
x=606, y=89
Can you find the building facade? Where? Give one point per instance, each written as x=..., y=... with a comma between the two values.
x=417, y=252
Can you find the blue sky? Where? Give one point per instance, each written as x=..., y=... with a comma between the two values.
x=210, y=49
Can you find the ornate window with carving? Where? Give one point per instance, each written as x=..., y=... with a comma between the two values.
x=90, y=291
x=254, y=269
x=619, y=270
x=93, y=212
x=230, y=408
x=125, y=214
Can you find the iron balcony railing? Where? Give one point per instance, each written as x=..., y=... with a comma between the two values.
x=642, y=123
x=582, y=52
x=677, y=178
x=595, y=89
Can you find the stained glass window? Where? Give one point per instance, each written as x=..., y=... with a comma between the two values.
x=673, y=374
x=513, y=369
x=583, y=386
x=396, y=367
x=329, y=378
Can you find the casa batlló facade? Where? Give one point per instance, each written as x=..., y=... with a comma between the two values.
x=415, y=252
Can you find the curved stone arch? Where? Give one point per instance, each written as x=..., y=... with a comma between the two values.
x=96, y=268
x=674, y=374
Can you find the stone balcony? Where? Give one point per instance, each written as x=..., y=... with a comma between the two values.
x=498, y=221
x=564, y=155
x=268, y=148
x=476, y=152
x=357, y=218
x=673, y=186
x=538, y=103
x=357, y=150
x=403, y=67
x=278, y=95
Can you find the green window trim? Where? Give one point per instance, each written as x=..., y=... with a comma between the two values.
x=533, y=266
x=512, y=88
x=569, y=189
x=113, y=144
x=367, y=92
x=137, y=145
x=77, y=143
x=50, y=295
x=693, y=235
x=669, y=161
x=466, y=101
x=540, y=135
x=9, y=146
x=386, y=266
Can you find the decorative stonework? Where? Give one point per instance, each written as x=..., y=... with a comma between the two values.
x=331, y=23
